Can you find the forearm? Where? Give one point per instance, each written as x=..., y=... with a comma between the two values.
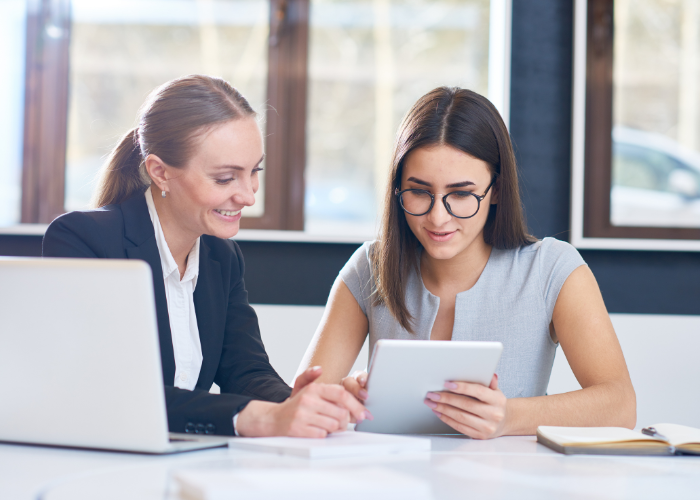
x=609, y=404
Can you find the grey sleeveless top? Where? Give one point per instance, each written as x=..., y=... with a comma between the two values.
x=512, y=302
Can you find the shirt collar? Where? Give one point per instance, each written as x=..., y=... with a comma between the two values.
x=167, y=261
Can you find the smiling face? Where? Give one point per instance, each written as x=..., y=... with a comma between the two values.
x=442, y=170
x=221, y=178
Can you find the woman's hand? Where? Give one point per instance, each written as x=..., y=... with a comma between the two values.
x=472, y=409
x=355, y=384
x=313, y=410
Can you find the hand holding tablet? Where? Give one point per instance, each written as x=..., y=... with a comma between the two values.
x=404, y=372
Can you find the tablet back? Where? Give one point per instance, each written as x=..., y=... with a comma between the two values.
x=403, y=371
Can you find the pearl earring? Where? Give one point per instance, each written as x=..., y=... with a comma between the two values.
x=163, y=193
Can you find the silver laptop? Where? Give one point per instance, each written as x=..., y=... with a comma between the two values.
x=80, y=358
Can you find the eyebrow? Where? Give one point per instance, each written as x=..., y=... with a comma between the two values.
x=453, y=185
x=238, y=167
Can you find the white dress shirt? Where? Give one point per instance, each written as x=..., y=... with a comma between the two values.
x=180, y=297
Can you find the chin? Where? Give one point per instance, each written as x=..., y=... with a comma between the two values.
x=442, y=252
x=225, y=232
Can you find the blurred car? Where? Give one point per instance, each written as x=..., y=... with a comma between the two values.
x=655, y=181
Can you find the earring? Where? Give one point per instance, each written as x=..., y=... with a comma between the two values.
x=163, y=193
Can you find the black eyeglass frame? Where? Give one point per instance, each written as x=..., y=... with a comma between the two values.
x=479, y=199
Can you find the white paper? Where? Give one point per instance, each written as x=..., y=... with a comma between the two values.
x=343, y=444
x=678, y=434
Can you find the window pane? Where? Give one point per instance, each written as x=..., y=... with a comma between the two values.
x=368, y=63
x=122, y=49
x=656, y=117
x=13, y=22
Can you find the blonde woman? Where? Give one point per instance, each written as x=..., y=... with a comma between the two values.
x=171, y=195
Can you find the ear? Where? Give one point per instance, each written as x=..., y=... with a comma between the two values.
x=156, y=169
x=495, y=191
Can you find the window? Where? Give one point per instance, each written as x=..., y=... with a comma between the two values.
x=368, y=63
x=330, y=79
x=636, y=144
x=121, y=49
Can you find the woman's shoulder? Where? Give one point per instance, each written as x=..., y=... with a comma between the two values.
x=357, y=274
x=360, y=261
x=546, y=249
x=550, y=261
x=109, y=215
x=83, y=233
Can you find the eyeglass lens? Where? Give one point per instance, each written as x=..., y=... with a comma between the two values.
x=462, y=204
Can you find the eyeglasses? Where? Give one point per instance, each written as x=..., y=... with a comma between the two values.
x=460, y=204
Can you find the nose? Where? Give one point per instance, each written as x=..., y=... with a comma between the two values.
x=245, y=195
x=439, y=214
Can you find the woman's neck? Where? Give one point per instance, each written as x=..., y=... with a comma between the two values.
x=180, y=241
x=459, y=273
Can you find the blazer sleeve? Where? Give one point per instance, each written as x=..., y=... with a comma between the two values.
x=244, y=367
x=243, y=374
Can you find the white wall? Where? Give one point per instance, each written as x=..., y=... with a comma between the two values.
x=662, y=353
x=663, y=358
x=286, y=332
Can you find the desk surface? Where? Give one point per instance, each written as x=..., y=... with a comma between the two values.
x=510, y=467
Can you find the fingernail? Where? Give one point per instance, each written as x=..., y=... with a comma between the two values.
x=362, y=380
x=363, y=394
x=430, y=404
x=437, y=413
x=450, y=385
x=368, y=415
x=433, y=396
x=361, y=417
x=315, y=368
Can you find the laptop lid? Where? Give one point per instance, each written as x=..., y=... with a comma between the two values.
x=79, y=355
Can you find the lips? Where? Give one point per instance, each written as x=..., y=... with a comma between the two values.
x=227, y=216
x=440, y=236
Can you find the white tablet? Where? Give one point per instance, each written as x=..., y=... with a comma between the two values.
x=403, y=371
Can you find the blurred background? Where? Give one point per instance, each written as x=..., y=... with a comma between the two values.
x=365, y=63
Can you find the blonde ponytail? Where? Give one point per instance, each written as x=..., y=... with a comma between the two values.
x=122, y=175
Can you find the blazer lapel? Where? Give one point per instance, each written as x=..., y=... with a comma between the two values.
x=210, y=305
x=141, y=244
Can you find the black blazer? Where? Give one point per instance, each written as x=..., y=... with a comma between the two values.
x=233, y=353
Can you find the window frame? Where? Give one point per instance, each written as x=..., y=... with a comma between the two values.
x=45, y=110
x=591, y=155
x=47, y=94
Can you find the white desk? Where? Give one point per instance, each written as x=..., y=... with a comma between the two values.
x=511, y=467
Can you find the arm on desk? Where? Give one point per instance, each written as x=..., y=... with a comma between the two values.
x=607, y=398
x=587, y=336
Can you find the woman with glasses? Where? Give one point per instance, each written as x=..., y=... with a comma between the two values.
x=454, y=261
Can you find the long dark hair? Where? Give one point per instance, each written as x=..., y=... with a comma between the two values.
x=468, y=122
x=170, y=121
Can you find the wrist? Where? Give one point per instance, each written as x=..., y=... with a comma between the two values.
x=513, y=420
x=257, y=419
